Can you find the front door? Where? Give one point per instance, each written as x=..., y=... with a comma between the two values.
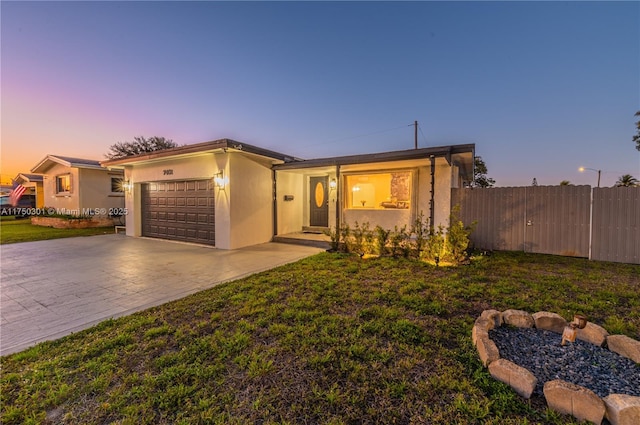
x=319, y=202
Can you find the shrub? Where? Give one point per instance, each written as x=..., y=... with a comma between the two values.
x=345, y=242
x=420, y=229
x=458, y=237
x=400, y=242
x=361, y=236
x=334, y=235
x=426, y=243
x=382, y=239
x=434, y=249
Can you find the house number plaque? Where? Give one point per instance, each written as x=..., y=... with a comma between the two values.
x=167, y=172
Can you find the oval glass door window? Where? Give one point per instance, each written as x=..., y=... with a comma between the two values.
x=319, y=195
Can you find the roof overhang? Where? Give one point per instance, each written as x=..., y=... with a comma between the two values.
x=50, y=160
x=222, y=145
x=458, y=155
x=28, y=178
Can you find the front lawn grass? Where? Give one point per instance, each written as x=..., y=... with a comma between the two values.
x=332, y=339
x=14, y=230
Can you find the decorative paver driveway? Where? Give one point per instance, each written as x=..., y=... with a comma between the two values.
x=52, y=288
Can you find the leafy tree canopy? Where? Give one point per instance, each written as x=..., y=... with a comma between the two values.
x=627, y=180
x=138, y=146
x=636, y=138
x=480, y=178
x=565, y=183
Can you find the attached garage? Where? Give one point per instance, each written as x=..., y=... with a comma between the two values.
x=181, y=210
x=218, y=193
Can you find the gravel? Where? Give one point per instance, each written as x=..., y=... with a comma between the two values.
x=596, y=368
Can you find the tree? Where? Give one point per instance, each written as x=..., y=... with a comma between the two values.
x=627, y=180
x=480, y=178
x=565, y=183
x=138, y=146
x=636, y=138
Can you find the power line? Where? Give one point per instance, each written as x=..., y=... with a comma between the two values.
x=423, y=136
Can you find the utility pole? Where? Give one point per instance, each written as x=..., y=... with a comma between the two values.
x=415, y=133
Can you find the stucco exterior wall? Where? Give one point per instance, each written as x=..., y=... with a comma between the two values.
x=333, y=202
x=95, y=191
x=290, y=213
x=387, y=219
x=250, y=189
x=442, y=207
x=61, y=202
x=423, y=192
x=200, y=167
x=243, y=205
x=39, y=195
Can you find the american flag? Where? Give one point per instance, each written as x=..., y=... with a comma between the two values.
x=16, y=193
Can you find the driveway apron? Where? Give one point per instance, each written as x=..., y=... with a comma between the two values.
x=49, y=289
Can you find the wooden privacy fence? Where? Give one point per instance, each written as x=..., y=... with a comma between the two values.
x=600, y=223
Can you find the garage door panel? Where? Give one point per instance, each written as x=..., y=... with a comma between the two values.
x=179, y=210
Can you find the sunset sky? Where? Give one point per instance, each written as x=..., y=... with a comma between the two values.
x=541, y=88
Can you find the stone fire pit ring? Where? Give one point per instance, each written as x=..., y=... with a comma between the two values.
x=561, y=396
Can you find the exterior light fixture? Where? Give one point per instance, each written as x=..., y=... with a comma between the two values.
x=333, y=184
x=127, y=186
x=219, y=180
x=581, y=169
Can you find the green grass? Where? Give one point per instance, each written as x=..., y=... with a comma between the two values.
x=332, y=339
x=21, y=230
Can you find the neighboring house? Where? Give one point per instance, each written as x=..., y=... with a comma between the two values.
x=34, y=185
x=230, y=194
x=79, y=186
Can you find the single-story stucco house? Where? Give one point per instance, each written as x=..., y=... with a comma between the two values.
x=76, y=186
x=230, y=194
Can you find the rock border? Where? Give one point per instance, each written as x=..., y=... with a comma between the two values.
x=561, y=396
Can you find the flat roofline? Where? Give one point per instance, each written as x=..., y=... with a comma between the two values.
x=440, y=151
x=214, y=145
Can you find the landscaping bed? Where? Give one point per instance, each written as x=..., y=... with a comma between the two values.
x=71, y=222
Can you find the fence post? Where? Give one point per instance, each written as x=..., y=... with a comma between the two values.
x=590, y=221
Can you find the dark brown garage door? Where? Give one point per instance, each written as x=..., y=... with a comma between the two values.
x=179, y=210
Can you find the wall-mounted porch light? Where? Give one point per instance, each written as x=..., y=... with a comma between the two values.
x=219, y=180
x=127, y=186
x=333, y=184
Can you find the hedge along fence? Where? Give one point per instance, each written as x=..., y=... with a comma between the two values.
x=435, y=245
x=597, y=223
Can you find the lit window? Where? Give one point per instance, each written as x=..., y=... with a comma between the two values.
x=117, y=185
x=379, y=190
x=63, y=184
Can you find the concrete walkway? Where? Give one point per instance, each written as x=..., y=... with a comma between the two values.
x=52, y=288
